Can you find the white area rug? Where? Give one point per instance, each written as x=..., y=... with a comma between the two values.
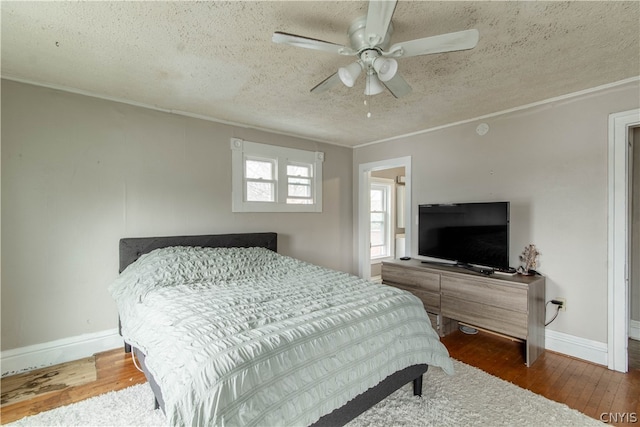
x=470, y=397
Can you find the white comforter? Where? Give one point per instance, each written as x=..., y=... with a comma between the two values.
x=251, y=337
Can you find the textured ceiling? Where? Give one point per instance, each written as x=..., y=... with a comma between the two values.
x=216, y=59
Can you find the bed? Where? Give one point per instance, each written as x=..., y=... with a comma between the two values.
x=245, y=336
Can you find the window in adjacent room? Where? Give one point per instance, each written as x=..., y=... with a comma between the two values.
x=269, y=178
x=381, y=233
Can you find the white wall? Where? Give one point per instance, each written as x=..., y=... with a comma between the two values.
x=550, y=162
x=79, y=173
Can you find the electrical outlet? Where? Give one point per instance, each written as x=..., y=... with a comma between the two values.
x=563, y=307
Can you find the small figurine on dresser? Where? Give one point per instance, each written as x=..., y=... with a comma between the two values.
x=529, y=260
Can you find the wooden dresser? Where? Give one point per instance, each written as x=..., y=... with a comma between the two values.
x=509, y=305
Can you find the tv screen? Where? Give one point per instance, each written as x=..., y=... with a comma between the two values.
x=466, y=233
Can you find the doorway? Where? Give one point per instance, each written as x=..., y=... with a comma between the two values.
x=621, y=127
x=367, y=174
x=386, y=225
x=633, y=349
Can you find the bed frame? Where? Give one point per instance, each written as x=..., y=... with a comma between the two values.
x=132, y=248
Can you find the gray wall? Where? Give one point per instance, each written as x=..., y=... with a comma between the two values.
x=79, y=173
x=550, y=162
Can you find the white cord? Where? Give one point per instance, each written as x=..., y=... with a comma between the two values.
x=133, y=357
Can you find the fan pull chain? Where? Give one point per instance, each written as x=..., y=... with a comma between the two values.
x=366, y=103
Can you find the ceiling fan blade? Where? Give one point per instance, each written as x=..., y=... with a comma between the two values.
x=379, y=17
x=327, y=83
x=397, y=86
x=309, y=43
x=450, y=42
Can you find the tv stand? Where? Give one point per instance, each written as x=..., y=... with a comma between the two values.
x=513, y=306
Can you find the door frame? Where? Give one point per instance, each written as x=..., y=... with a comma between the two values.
x=618, y=238
x=364, y=182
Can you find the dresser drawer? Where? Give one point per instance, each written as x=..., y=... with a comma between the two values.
x=431, y=300
x=413, y=278
x=486, y=292
x=513, y=323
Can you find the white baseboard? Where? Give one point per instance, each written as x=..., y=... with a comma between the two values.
x=581, y=348
x=36, y=356
x=634, y=329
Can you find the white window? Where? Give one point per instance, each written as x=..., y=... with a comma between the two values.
x=300, y=183
x=381, y=218
x=268, y=178
x=260, y=180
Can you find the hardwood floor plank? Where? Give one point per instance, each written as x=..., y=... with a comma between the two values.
x=555, y=378
x=609, y=388
x=634, y=354
x=592, y=377
x=627, y=398
x=570, y=392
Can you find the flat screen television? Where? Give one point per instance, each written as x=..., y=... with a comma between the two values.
x=465, y=233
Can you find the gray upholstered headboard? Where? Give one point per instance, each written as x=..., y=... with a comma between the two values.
x=132, y=248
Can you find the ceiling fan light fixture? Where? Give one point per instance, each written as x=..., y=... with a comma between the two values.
x=373, y=86
x=350, y=73
x=370, y=42
x=385, y=68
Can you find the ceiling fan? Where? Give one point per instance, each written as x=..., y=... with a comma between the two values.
x=370, y=37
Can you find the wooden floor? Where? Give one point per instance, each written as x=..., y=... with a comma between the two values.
x=634, y=354
x=115, y=371
x=589, y=388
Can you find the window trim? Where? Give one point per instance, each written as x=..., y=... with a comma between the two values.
x=282, y=156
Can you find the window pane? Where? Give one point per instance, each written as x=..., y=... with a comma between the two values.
x=298, y=170
x=257, y=169
x=299, y=185
x=260, y=191
x=378, y=252
x=377, y=197
x=377, y=233
x=299, y=191
x=377, y=217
